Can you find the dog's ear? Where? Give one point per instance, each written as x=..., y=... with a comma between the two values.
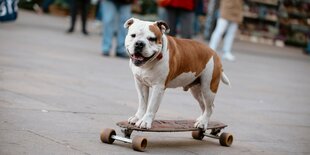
x=163, y=26
x=129, y=22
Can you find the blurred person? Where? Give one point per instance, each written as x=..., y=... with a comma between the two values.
x=98, y=14
x=162, y=13
x=307, y=49
x=8, y=10
x=212, y=15
x=182, y=11
x=82, y=5
x=112, y=10
x=46, y=4
x=199, y=11
x=230, y=16
x=44, y=7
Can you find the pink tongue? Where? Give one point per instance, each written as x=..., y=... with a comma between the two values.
x=138, y=57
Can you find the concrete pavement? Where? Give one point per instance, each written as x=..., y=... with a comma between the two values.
x=57, y=92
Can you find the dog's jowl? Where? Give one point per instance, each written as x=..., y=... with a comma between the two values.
x=159, y=61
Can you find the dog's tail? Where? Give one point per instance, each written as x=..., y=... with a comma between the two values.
x=225, y=79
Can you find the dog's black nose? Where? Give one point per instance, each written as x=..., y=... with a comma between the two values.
x=139, y=45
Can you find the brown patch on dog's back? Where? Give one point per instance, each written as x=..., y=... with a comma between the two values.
x=186, y=56
x=155, y=29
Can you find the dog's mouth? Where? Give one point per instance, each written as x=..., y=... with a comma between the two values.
x=138, y=59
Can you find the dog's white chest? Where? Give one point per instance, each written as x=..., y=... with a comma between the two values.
x=150, y=77
x=145, y=79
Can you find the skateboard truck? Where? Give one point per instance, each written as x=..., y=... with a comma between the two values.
x=139, y=143
x=109, y=136
x=127, y=132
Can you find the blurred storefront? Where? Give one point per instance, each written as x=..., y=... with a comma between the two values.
x=276, y=22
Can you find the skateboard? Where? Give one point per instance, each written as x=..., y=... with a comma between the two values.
x=139, y=143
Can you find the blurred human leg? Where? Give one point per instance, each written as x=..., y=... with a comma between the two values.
x=98, y=14
x=46, y=4
x=84, y=12
x=218, y=33
x=108, y=16
x=228, y=41
x=172, y=20
x=124, y=14
x=187, y=22
x=210, y=19
x=307, y=49
x=73, y=12
x=162, y=13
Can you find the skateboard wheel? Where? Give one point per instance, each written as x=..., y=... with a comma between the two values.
x=226, y=139
x=106, y=135
x=197, y=134
x=139, y=143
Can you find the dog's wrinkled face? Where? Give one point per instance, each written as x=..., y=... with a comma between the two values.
x=144, y=39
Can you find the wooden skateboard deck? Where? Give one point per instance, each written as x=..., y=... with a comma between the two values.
x=171, y=126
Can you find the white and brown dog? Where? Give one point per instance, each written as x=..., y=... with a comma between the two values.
x=159, y=61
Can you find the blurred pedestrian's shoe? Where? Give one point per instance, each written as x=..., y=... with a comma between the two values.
x=37, y=9
x=85, y=32
x=122, y=55
x=70, y=30
x=229, y=57
x=97, y=24
x=105, y=54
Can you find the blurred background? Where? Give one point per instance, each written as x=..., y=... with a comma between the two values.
x=64, y=74
x=273, y=22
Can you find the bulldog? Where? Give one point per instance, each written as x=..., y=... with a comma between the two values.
x=159, y=61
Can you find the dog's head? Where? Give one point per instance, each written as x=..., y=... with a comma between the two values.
x=144, y=39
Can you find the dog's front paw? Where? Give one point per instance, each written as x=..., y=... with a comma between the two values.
x=202, y=123
x=145, y=122
x=133, y=119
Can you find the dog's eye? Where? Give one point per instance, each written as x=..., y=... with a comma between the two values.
x=152, y=39
x=133, y=35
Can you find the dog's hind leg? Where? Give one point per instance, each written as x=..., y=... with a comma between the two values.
x=207, y=93
x=197, y=94
x=208, y=96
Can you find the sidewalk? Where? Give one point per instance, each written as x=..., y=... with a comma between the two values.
x=57, y=92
